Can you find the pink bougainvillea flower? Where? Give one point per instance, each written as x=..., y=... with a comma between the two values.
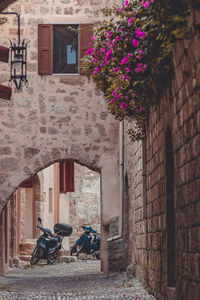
x=139, y=56
x=90, y=44
x=126, y=2
x=112, y=100
x=96, y=70
x=145, y=4
x=90, y=51
x=120, y=29
x=94, y=59
x=126, y=77
x=118, y=38
x=137, y=111
x=135, y=43
x=116, y=69
x=129, y=55
x=140, y=33
x=123, y=105
x=127, y=69
x=140, y=68
x=142, y=108
x=124, y=60
x=130, y=20
x=118, y=96
x=93, y=38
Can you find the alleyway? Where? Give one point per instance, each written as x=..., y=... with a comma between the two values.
x=77, y=280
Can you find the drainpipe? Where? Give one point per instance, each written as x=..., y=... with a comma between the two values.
x=121, y=182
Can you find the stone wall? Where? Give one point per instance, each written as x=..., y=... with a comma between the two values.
x=56, y=117
x=178, y=111
x=84, y=203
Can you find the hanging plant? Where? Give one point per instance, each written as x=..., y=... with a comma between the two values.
x=129, y=57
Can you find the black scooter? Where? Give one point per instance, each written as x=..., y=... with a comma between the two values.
x=48, y=244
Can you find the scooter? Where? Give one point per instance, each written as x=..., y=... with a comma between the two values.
x=88, y=243
x=48, y=244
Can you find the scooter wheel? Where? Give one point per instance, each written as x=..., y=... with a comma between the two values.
x=51, y=260
x=76, y=249
x=36, y=255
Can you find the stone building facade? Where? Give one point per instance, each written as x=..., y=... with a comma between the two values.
x=57, y=117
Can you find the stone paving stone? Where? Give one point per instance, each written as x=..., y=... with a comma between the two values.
x=81, y=280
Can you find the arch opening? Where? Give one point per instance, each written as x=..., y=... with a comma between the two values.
x=41, y=196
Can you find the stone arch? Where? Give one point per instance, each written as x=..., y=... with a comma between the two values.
x=170, y=211
x=56, y=117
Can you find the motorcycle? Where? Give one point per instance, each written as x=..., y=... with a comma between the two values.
x=48, y=244
x=88, y=243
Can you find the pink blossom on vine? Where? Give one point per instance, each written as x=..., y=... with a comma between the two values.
x=130, y=20
x=102, y=50
x=90, y=51
x=124, y=60
x=129, y=55
x=115, y=69
x=140, y=68
x=126, y=77
x=96, y=70
x=128, y=69
x=123, y=105
x=93, y=38
x=94, y=59
x=145, y=4
x=137, y=111
x=135, y=43
x=142, y=108
x=140, y=33
x=112, y=100
x=120, y=29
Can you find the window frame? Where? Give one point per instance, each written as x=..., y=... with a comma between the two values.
x=67, y=74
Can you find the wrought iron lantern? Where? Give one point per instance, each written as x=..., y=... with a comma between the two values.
x=18, y=61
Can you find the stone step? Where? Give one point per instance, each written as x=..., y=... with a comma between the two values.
x=27, y=248
x=25, y=257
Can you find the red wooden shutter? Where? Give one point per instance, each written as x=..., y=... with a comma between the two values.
x=5, y=92
x=86, y=32
x=69, y=176
x=62, y=177
x=45, y=49
x=4, y=54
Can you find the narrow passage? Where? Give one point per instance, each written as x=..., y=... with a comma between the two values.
x=80, y=280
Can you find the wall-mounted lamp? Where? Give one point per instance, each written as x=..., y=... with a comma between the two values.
x=18, y=61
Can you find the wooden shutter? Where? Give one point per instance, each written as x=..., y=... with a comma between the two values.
x=66, y=176
x=69, y=176
x=5, y=92
x=86, y=32
x=62, y=177
x=4, y=54
x=45, y=49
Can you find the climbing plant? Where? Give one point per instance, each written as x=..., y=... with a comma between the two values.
x=130, y=56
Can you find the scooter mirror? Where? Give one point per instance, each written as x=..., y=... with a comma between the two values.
x=40, y=220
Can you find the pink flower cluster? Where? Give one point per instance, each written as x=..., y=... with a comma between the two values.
x=146, y=4
x=140, y=68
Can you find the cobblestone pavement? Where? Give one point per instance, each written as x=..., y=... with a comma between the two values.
x=75, y=281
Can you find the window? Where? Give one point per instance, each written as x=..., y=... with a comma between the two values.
x=65, y=49
x=60, y=47
x=66, y=176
